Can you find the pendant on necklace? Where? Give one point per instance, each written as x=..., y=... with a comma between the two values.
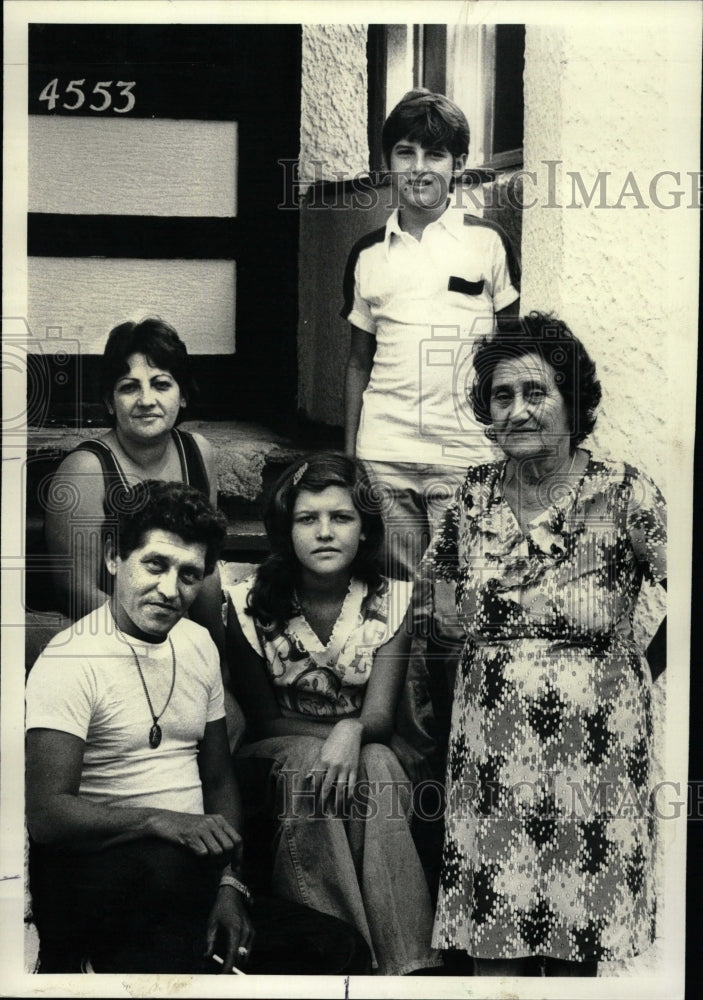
x=154, y=736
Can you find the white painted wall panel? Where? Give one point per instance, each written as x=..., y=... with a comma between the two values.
x=132, y=167
x=86, y=297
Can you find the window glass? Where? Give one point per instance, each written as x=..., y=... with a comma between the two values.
x=509, y=106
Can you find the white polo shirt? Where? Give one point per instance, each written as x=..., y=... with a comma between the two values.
x=426, y=303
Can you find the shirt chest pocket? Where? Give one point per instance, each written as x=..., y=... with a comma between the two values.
x=465, y=287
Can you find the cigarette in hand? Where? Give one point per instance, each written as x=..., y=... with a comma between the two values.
x=221, y=961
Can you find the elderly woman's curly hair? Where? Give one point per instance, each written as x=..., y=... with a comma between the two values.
x=551, y=339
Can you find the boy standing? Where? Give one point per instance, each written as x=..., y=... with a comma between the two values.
x=418, y=292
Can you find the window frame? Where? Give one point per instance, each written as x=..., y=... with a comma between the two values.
x=462, y=58
x=471, y=75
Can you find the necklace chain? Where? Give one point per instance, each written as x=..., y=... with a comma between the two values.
x=155, y=731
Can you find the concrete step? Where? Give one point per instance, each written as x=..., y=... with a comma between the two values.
x=246, y=541
x=249, y=458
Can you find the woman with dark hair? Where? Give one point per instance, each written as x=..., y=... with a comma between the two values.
x=320, y=642
x=549, y=842
x=146, y=384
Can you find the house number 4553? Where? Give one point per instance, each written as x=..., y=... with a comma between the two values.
x=74, y=96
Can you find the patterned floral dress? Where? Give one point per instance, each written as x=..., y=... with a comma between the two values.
x=549, y=839
x=326, y=680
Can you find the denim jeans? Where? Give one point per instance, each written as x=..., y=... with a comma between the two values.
x=359, y=865
x=414, y=498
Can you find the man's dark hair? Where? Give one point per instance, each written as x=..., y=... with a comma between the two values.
x=174, y=507
x=430, y=119
x=550, y=338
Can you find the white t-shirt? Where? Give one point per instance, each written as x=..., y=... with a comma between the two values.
x=426, y=303
x=86, y=683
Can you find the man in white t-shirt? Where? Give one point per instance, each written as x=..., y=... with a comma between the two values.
x=132, y=804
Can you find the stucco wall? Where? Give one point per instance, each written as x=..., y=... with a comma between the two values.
x=600, y=100
x=333, y=145
x=333, y=112
x=607, y=98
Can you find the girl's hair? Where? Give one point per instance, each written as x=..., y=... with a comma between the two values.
x=551, y=339
x=272, y=597
x=160, y=345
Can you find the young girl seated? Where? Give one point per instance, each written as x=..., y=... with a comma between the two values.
x=318, y=640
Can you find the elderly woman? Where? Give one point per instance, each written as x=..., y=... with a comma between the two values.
x=548, y=854
x=146, y=384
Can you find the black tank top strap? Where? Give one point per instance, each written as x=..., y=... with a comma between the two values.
x=107, y=460
x=117, y=496
x=114, y=479
x=194, y=471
